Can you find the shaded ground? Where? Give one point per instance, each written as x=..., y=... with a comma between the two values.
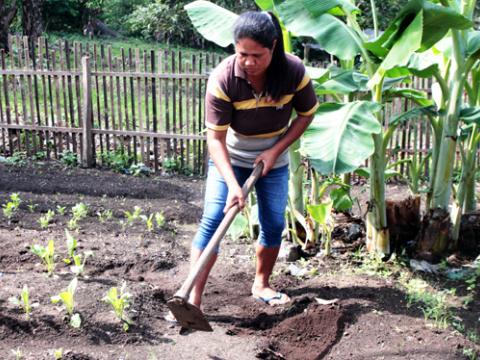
x=370, y=319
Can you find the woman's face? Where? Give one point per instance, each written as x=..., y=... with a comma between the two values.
x=252, y=57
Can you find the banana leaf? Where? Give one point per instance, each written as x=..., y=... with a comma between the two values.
x=340, y=136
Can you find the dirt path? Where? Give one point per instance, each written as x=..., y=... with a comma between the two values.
x=370, y=319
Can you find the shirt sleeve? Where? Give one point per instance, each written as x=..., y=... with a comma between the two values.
x=305, y=100
x=218, y=106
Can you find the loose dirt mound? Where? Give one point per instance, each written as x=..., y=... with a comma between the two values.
x=309, y=335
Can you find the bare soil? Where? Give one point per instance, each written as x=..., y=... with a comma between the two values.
x=369, y=320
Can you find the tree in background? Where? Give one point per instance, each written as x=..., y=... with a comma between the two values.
x=8, y=11
x=387, y=10
x=32, y=23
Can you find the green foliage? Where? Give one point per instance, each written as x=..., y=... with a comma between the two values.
x=17, y=353
x=46, y=254
x=120, y=303
x=134, y=215
x=18, y=158
x=80, y=211
x=117, y=160
x=10, y=208
x=69, y=158
x=386, y=9
x=67, y=298
x=61, y=210
x=105, y=215
x=45, y=220
x=434, y=304
x=160, y=219
x=23, y=301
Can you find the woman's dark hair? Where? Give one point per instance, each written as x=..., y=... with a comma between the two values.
x=263, y=27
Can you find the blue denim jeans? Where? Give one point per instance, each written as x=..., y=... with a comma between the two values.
x=272, y=197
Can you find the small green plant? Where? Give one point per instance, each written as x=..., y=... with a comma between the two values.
x=105, y=215
x=17, y=353
x=118, y=160
x=170, y=165
x=23, y=301
x=61, y=210
x=322, y=214
x=79, y=261
x=69, y=158
x=40, y=155
x=45, y=220
x=18, y=158
x=46, y=254
x=67, y=298
x=71, y=247
x=470, y=353
x=120, y=302
x=10, y=208
x=433, y=303
x=148, y=222
x=134, y=215
x=160, y=219
x=31, y=207
x=80, y=211
x=58, y=354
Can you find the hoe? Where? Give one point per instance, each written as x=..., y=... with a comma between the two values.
x=188, y=315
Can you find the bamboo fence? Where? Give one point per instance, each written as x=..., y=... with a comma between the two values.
x=146, y=104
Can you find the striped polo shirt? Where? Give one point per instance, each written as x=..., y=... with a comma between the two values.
x=255, y=123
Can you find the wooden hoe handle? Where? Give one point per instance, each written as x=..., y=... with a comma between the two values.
x=199, y=266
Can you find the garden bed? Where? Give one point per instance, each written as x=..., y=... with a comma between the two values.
x=369, y=320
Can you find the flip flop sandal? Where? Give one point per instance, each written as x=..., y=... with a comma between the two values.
x=268, y=299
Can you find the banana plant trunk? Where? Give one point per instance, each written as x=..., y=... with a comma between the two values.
x=378, y=235
x=437, y=231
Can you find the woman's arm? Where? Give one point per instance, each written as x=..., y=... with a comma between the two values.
x=295, y=130
x=217, y=147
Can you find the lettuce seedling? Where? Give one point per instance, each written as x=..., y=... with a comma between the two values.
x=67, y=298
x=61, y=210
x=104, y=216
x=71, y=247
x=10, y=208
x=159, y=219
x=46, y=254
x=148, y=221
x=134, y=215
x=80, y=211
x=120, y=303
x=79, y=266
x=23, y=301
x=45, y=220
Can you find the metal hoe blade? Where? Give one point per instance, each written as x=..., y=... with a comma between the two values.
x=188, y=316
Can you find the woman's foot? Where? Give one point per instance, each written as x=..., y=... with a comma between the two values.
x=270, y=296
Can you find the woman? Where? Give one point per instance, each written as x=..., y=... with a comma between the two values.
x=249, y=102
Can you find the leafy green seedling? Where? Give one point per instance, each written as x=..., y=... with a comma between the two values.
x=159, y=219
x=104, y=215
x=79, y=261
x=45, y=220
x=10, y=208
x=134, y=215
x=71, y=247
x=23, y=301
x=148, y=221
x=72, y=224
x=120, y=303
x=58, y=353
x=46, y=254
x=322, y=214
x=32, y=207
x=61, y=210
x=80, y=211
x=67, y=298
x=17, y=353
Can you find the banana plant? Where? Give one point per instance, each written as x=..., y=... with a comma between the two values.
x=344, y=134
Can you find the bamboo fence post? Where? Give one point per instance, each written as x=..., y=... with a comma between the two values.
x=87, y=150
